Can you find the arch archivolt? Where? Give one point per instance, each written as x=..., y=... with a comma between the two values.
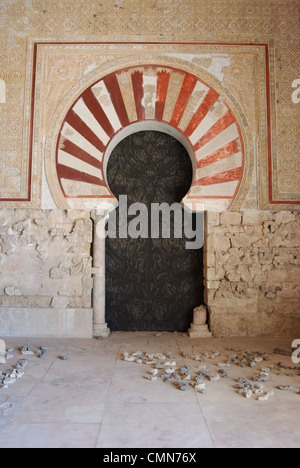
x=162, y=94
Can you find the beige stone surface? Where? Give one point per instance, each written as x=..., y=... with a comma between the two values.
x=252, y=285
x=95, y=399
x=45, y=258
x=46, y=322
x=2, y=352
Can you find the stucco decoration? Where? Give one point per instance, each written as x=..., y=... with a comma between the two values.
x=232, y=30
x=179, y=90
x=151, y=93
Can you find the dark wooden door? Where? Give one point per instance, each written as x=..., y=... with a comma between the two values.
x=151, y=284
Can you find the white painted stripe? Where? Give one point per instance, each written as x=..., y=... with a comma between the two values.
x=77, y=188
x=103, y=96
x=149, y=99
x=68, y=160
x=71, y=134
x=212, y=117
x=125, y=83
x=229, y=134
x=87, y=117
x=227, y=189
x=232, y=162
x=195, y=101
x=175, y=85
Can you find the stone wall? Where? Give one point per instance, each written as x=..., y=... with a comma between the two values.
x=45, y=266
x=253, y=273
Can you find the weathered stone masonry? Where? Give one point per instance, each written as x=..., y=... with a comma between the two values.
x=251, y=269
x=253, y=273
x=45, y=279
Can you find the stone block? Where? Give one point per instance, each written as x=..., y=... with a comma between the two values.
x=210, y=259
x=213, y=275
x=222, y=243
x=46, y=322
x=214, y=285
x=255, y=218
x=2, y=352
x=212, y=218
x=199, y=331
x=284, y=218
x=231, y=218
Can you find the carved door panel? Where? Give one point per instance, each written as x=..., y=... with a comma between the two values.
x=151, y=284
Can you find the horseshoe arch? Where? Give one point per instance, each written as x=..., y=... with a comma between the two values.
x=146, y=97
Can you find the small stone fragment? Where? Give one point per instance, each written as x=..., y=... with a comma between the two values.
x=160, y=356
x=153, y=378
x=150, y=355
x=263, y=377
x=183, y=371
x=286, y=388
x=264, y=397
x=63, y=357
x=224, y=364
x=9, y=381
x=22, y=364
x=129, y=359
x=204, y=374
x=170, y=370
x=223, y=374
x=259, y=389
x=26, y=350
x=283, y=352
x=214, y=378
x=41, y=352
x=170, y=364
x=201, y=387
x=171, y=356
x=183, y=387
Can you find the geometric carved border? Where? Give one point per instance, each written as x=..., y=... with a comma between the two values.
x=257, y=123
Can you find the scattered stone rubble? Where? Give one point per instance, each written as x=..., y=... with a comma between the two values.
x=9, y=375
x=164, y=367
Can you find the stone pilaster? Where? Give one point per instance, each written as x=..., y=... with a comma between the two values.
x=100, y=328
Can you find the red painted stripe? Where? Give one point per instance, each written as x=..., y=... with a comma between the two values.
x=76, y=122
x=187, y=88
x=138, y=90
x=65, y=172
x=228, y=176
x=95, y=108
x=163, y=79
x=209, y=100
x=79, y=153
x=112, y=85
x=228, y=150
x=216, y=129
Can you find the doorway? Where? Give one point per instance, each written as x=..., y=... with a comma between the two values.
x=151, y=284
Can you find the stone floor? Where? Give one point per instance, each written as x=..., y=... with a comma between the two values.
x=96, y=399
